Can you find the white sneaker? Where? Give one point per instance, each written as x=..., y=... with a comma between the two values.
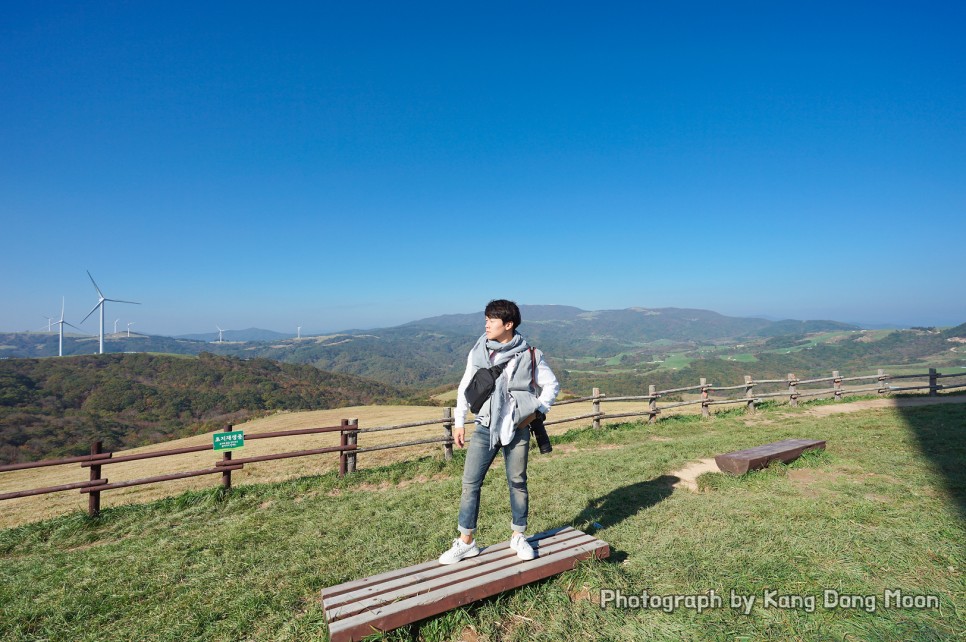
x=520, y=544
x=460, y=551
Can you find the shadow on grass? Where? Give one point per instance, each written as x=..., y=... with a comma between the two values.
x=623, y=502
x=941, y=434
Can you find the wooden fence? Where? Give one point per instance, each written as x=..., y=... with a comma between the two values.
x=747, y=394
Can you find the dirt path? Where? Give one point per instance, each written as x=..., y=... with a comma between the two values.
x=688, y=476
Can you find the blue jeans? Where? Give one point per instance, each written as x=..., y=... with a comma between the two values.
x=479, y=456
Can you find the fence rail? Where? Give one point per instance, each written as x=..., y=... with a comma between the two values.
x=349, y=430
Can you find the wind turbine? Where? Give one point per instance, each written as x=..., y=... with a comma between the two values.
x=62, y=323
x=115, y=325
x=100, y=304
x=129, y=328
x=219, y=334
x=299, y=333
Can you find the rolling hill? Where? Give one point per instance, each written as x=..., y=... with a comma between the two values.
x=56, y=407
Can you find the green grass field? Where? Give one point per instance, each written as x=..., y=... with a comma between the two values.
x=676, y=361
x=881, y=509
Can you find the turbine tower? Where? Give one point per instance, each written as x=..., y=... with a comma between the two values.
x=129, y=328
x=62, y=323
x=299, y=333
x=219, y=334
x=115, y=325
x=100, y=304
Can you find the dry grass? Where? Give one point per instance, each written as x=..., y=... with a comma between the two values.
x=28, y=509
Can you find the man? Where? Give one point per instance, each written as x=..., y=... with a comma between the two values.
x=501, y=424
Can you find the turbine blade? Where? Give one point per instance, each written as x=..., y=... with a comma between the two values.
x=95, y=284
x=120, y=301
x=99, y=304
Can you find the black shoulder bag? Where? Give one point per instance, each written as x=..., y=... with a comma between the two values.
x=481, y=386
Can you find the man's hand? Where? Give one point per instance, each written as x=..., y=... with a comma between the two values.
x=458, y=434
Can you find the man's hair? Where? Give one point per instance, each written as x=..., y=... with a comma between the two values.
x=505, y=311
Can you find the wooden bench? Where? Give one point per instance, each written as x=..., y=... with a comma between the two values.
x=741, y=461
x=384, y=602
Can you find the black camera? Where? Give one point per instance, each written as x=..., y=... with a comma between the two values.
x=540, y=432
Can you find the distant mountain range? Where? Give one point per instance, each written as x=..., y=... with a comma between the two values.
x=558, y=329
x=431, y=352
x=249, y=334
x=559, y=323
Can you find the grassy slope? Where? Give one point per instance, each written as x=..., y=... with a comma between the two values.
x=869, y=514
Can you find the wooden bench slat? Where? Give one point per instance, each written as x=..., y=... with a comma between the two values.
x=740, y=462
x=454, y=574
x=414, y=574
x=353, y=585
x=432, y=603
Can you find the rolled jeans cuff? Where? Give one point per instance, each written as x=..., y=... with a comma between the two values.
x=517, y=528
x=465, y=531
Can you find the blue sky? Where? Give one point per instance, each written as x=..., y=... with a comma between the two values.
x=340, y=165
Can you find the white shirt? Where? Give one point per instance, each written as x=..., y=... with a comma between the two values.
x=545, y=379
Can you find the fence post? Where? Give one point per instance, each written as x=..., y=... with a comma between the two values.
x=94, y=497
x=448, y=433
x=652, y=404
x=837, y=384
x=883, y=388
x=792, y=390
x=343, y=442
x=933, y=388
x=596, y=407
x=353, y=440
x=226, y=456
x=749, y=390
x=705, y=409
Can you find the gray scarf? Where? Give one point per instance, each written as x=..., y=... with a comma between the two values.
x=481, y=359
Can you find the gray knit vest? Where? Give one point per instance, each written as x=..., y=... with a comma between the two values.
x=522, y=388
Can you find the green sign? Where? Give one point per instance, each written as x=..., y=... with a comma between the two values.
x=229, y=440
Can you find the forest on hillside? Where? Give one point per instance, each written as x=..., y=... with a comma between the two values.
x=58, y=406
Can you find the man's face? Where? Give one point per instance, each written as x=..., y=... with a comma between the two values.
x=497, y=330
